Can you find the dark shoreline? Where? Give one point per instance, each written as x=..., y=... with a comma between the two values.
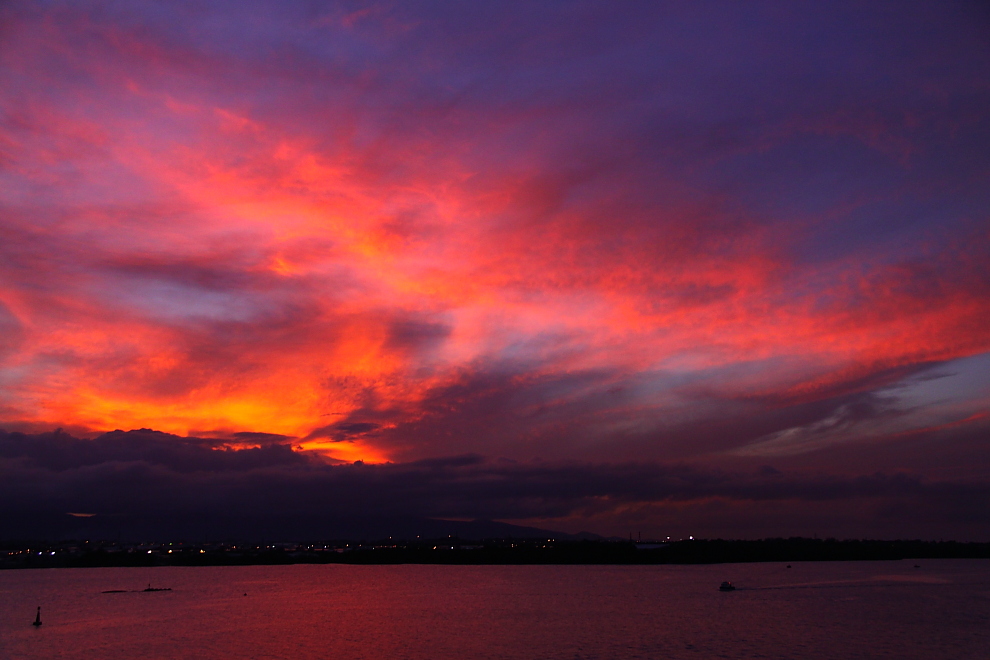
x=487, y=552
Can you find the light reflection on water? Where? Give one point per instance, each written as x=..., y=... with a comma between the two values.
x=814, y=610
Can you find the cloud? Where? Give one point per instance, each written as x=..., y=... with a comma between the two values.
x=648, y=235
x=342, y=431
x=59, y=451
x=145, y=475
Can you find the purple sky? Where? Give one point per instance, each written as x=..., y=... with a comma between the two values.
x=719, y=269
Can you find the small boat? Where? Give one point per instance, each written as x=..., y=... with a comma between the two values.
x=726, y=586
x=37, y=617
x=150, y=588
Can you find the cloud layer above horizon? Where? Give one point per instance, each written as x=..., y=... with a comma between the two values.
x=147, y=484
x=702, y=232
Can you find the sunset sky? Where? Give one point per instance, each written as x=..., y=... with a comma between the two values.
x=649, y=266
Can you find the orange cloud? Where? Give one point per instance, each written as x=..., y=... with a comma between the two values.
x=206, y=257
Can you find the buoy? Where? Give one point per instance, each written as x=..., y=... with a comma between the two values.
x=37, y=617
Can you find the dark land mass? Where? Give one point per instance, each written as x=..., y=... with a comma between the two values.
x=260, y=529
x=489, y=551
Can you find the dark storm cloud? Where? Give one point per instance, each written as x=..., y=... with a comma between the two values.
x=58, y=451
x=148, y=474
x=261, y=438
x=342, y=431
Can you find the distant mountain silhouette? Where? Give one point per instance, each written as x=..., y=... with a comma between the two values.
x=284, y=528
x=487, y=529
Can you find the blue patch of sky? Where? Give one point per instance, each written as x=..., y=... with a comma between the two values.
x=966, y=380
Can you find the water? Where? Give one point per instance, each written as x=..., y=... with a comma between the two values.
x=814, y=610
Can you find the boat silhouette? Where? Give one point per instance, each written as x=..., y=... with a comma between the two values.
x=726, y=586
x=37, y=617
x=150, y=588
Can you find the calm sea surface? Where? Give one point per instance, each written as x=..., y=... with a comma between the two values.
x=813, y=610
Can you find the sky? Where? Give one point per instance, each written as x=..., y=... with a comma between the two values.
x=710, y=268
